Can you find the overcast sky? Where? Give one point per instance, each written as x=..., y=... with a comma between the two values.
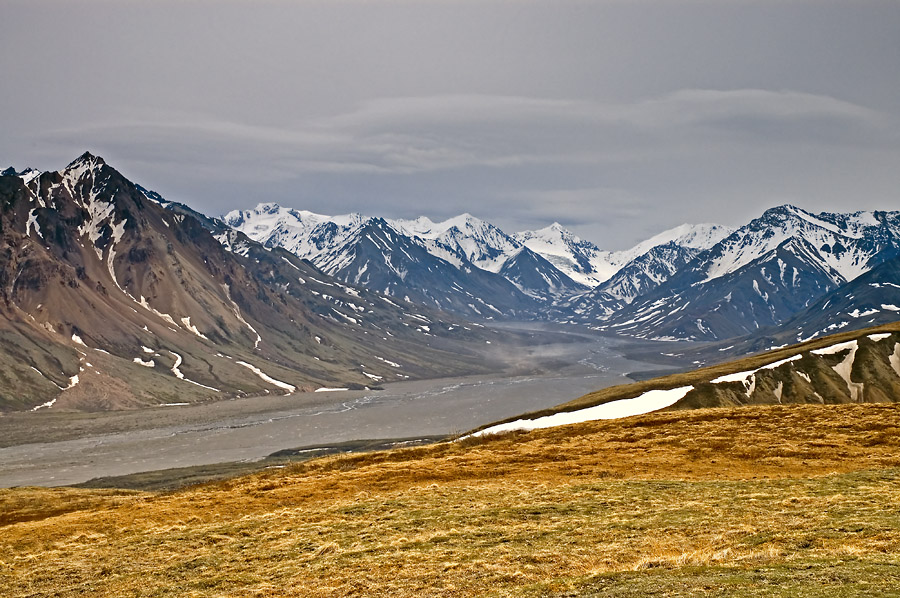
x=617, y=119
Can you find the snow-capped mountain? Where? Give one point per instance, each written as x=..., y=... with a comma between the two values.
x=869, y=300
x=637, y=278
x=647, y=271
x=692, y=282
x=762, y=274
x=463, y=264
x=586, y=263
x=377, y=256
x=482, y=243
x=109, y=300
x=303, y=233
x=848, y=243
x=580, y=260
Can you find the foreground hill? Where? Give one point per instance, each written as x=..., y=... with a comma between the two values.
x=781, y=500
x=861, y=366
x=790, y=499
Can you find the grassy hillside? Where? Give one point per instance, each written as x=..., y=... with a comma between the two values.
x=810, y=379
x=799, y=500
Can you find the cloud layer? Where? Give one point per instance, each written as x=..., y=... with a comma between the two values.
x=616, y=119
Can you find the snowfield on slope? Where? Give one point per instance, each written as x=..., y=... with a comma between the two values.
x=652, y=400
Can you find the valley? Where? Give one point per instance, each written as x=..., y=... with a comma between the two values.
x=62, y=448
x=139, y=334
x=409, y=299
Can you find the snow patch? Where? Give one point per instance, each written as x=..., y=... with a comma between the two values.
x=736, y=377
x=862, y=314
x=178, y=373
x=268, y=379
x=779, y=390
x=835, y=348
x=895, y=359
x=652, y=400
x=772, y=366
x=879, y=337
x=237, y=314
x=32, y=222
x=187, y=324
x=390, y=363
x=146, y=364
x=143, y=303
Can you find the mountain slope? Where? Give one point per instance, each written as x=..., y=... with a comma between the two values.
x=535, y=276
x=426, y=263
x=762, y=274
x=377, y=257
x=869, y=300
x=854, y=367
x=109, y=300
x=586, y=263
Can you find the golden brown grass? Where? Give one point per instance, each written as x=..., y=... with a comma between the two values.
x=662, y=499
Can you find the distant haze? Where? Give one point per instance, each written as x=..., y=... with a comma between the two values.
x=616, y=118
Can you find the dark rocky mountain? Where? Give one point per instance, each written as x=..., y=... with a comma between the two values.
x=412, y=260
x=535, y=276
x=762, y=275
x=108, y=300
x=869, y=300
x=377, y=256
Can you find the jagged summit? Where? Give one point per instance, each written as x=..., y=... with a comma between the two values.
x=86, y=159
x=27, y=175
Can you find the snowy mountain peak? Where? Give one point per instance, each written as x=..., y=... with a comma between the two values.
x=86, y=161
x=554, y=232
x=845, y=242
x=79, y=169
x=694, y=236
x=27, y=175
x=463, y=236
x=268, y=208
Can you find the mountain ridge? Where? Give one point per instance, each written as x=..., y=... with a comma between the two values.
x=109, y=300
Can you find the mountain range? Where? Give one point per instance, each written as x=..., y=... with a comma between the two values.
x=112, y=296
x=702, y=282
x=110, y=299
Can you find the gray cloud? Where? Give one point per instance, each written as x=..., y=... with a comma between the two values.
x=617, y=119
x=422, y=134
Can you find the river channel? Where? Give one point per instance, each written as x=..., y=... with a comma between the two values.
x=163, y=437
